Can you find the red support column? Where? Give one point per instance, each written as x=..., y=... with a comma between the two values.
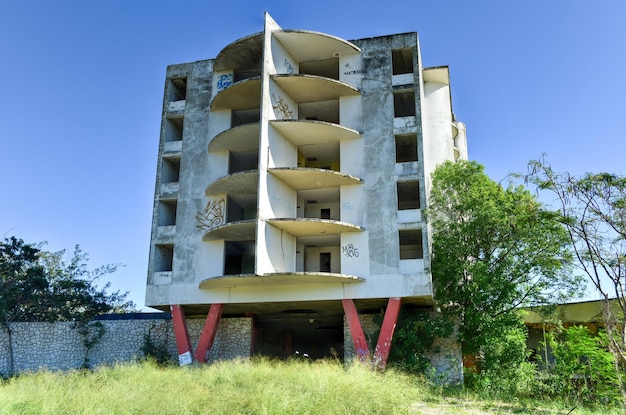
x=383, y=346
x=358, y=337
x=208, y=332
x=183, y=343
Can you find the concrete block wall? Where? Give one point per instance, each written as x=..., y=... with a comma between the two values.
x=57, y=346
x=447, y=364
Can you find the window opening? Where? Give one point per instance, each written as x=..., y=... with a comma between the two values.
x=404, y=104
x=324, y=261
x=406, y=148
x=411, y=244
x=408, y=195
x=402, y=61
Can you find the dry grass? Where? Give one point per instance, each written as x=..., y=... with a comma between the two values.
x=240, y=387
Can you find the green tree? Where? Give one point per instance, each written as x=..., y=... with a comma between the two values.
x=23, y=284
x=37, y=285
x=584, y=368
x=593, y=210
x=495, y=249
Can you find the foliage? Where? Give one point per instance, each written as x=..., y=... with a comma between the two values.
x=503, y=369
x=584, y=368
x=593, y=209
x=494, y=249
x=414, y=336
x=37, y=285
x=155, y=350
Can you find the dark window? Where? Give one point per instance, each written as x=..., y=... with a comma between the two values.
x=325, y=213
x=402, y=61
x=411, y=244
x=406, y=148
x=324, y=261
x=404, y=103
x=408, y=195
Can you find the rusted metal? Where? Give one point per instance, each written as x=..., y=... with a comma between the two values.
x=383, y=346
x=358, y=337
x=183, y=344
x=208, y=332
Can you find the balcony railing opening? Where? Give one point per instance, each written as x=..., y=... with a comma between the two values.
x=242, y=161
x=319, y=111
x=328, y=68
x=319, y=156
x=239, y=257
x=319, y=203
x=241, y=117
x=241, y=207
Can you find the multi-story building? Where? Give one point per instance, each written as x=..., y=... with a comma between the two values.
x=292, y=173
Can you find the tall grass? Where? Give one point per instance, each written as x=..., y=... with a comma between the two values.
x=233, y=387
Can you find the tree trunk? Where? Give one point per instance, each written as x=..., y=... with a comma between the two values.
x=7, y=326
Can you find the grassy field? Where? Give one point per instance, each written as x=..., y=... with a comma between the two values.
x=257, y=387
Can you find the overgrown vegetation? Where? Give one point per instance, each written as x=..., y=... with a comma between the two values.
x=252, y=387
x=592, y=209
x=37, y=285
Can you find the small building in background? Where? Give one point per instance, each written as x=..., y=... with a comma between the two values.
x=292, y=173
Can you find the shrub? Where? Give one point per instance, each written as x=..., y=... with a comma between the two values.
x=584, y=369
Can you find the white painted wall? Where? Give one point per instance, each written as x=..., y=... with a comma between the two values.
x=283, y=62
x=280, y=253
x=283, y=106
x=282, y=152
x=355, y=254
x=351, y=112
x=351, y=70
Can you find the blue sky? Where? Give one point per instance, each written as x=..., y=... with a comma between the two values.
x=82, y=87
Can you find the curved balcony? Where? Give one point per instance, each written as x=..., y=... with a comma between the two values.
x=307, y=178
x=305, y=45
x=243, y=54
x=312, y=88
x=243, y=230
x=241, y=182
x=242, y=138
x=242, y=95
x=287, y=278
x=312, y=132
x=313, y=226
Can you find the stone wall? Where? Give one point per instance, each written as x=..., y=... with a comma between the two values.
x=447, y=363
x=56, y=346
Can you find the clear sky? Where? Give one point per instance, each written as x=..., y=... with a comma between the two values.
x=82, y=86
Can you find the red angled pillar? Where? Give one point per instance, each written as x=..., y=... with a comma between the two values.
x=383, y=346
x=358, y=337
x=183, y=343
x=208, y=332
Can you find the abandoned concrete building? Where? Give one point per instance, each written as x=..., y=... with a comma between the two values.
x=292, y=172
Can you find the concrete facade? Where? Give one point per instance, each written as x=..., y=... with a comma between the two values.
x=292, y=172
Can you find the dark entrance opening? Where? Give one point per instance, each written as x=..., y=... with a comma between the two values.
x=298, y=333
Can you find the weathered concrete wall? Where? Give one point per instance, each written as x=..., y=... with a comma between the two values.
x=447, y=364
x=58, y=346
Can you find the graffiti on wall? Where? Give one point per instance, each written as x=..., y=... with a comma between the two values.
x=289, y=67
x=212, y=216
x=352, y=71
x=350, y=251
x=224, y=81
x=282, y=107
